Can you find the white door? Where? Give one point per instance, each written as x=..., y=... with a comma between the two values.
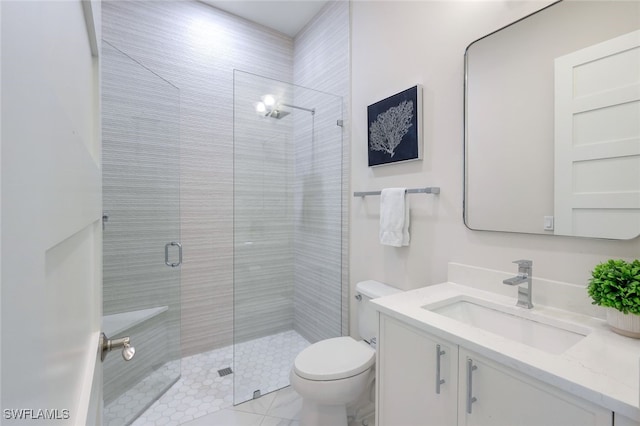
x=51, y=213
x=597, y=140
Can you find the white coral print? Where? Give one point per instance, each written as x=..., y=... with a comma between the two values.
x=387, y=131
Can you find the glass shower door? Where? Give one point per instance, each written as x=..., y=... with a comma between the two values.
x=141, y=256
x=287, y=228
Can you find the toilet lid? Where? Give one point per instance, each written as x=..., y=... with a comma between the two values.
x=333, y=359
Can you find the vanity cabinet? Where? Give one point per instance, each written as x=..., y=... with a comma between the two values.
x=491, y=394
x=474, y=390
x=417, y=377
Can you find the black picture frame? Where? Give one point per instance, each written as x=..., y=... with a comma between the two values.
x=395, y=128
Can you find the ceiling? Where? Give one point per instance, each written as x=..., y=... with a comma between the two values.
x=286, y=16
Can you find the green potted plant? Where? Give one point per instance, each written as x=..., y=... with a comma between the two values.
x=615, y=284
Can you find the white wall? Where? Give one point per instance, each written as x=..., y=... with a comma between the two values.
x=51, y=213
x=395, y=45
x=0, y=207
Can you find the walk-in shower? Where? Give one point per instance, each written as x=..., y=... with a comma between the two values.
x=287, y=292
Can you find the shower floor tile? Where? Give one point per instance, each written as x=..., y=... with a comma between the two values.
x=262, y=364
x=128, y=405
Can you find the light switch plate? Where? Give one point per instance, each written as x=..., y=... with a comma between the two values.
x=548, y=223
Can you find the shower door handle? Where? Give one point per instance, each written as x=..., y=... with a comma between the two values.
x=166, y=254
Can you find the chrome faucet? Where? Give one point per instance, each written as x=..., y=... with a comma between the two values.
x=525, y=268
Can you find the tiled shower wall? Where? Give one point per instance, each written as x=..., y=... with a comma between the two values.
x=141, y=184
x=263, y=176
x=321, y=61
x=196, y=48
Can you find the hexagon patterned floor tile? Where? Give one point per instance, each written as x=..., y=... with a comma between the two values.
x=259, y=365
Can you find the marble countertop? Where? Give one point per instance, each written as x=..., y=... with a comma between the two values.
x=603, y=367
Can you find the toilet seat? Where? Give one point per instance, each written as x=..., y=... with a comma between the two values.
x=334, y=359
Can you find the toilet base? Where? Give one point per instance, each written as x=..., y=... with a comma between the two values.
x=359, y=414
x=325, y=403
x=314, y=414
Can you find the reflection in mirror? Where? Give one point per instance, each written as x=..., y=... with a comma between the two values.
x=552, y=123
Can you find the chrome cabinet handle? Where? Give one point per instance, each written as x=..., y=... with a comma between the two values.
x=470, y=398
x=107, y=345
x=439, y=381
x=166, y=254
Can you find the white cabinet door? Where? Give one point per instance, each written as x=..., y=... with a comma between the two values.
x=499, y=396
x=51, y=215
x=597, y=140
x=407, y=368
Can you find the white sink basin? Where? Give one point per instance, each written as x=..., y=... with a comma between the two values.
x=521, y=325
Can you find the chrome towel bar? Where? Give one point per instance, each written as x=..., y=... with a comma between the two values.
x=427, y=190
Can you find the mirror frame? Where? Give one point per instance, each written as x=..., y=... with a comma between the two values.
x=465, y=204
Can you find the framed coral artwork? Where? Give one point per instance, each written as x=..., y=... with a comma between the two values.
x=395, y=132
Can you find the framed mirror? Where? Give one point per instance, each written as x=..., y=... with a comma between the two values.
x=552, y=123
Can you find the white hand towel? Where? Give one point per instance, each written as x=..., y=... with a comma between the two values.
x=394, y=217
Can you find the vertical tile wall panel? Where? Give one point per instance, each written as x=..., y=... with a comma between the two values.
x=321, y=62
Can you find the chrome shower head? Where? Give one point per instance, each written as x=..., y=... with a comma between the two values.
x=277, y=114
x=269, y=106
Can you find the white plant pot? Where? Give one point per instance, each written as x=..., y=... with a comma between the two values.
x=624, y=324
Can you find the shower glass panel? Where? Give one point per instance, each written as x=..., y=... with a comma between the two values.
x=287, y=228
x=141, y=199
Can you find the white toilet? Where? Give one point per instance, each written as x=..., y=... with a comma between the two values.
x=334, y=373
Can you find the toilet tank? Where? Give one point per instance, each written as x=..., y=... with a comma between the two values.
x=367, y=316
